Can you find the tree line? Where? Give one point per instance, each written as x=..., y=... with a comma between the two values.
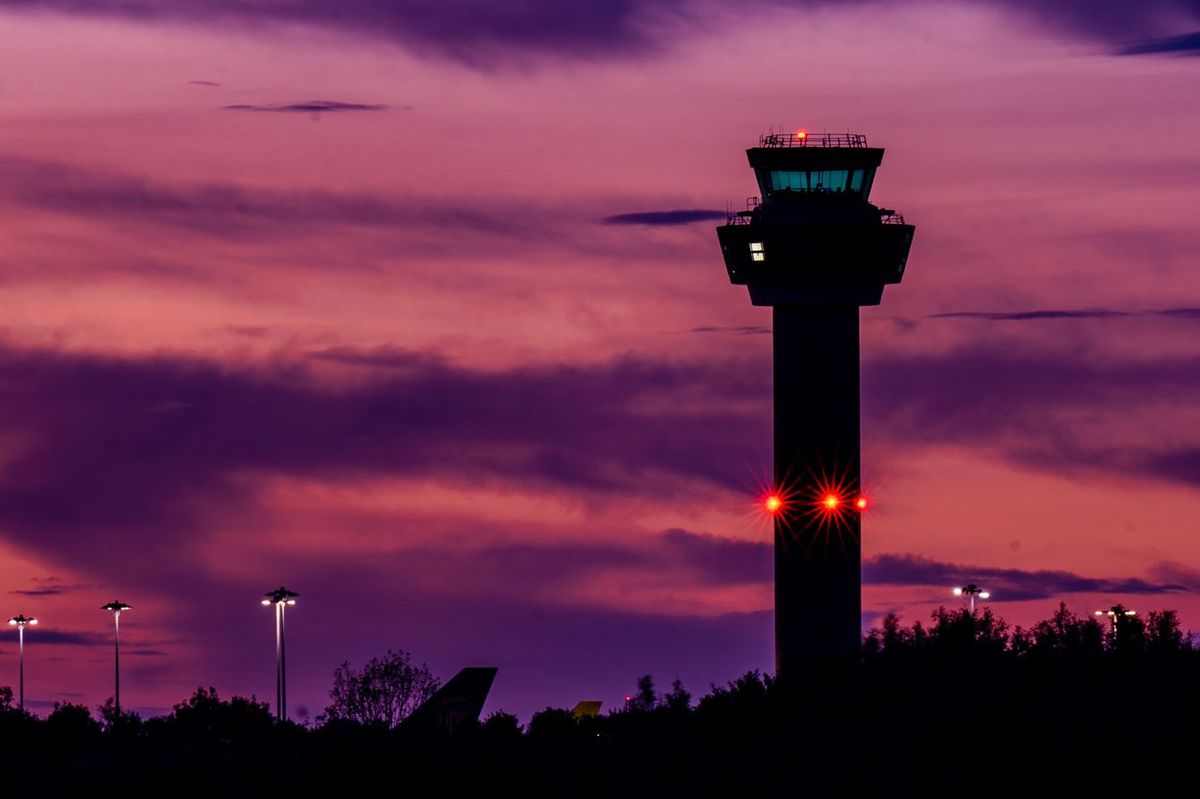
x=963, y=703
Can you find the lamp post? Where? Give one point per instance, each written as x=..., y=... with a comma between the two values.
x=20, y=622
x=281, y=598
x=970, y=591
x=1115, y=614
x=116, y=607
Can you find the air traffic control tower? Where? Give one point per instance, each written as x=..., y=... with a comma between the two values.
x=815, y=249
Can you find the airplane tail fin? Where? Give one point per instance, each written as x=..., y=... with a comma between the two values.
x=458, y=701
x=587, y=709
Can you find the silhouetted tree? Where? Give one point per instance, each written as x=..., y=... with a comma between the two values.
x=71, y=725
x=205, y=716
x=384, y=691
x=645, y=699
x=553, y=723
x=1163, y=634
x=118, y=722
x=1064, y=634
x=502, y=726
x=678, y=699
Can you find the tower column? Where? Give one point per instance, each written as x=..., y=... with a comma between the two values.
x=817, y=455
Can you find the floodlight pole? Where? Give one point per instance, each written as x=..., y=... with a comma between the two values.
x=20, y=622
x=280, y=598
x=116, y=607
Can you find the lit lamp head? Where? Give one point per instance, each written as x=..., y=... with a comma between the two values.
x=21, y=621
x=970, y=589
x=280, y=596
x=116, y=606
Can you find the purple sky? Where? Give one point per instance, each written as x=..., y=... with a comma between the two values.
x=418, y=309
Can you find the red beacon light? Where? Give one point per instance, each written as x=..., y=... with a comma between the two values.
x=773, y=503
x=831, y=502
x=801, y=135
x=862, y=503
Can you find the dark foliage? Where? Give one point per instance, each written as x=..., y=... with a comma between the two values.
x=964, y=704
x=384, y=692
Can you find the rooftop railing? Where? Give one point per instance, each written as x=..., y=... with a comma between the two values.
x=802, y=139
x=744, y=217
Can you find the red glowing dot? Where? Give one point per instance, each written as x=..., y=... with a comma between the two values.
x=773, y=503
x=862, y=503
x=831, y=501
x=801, y=135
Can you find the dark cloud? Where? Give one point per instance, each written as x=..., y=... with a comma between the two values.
x=1018, y=316
x=1170, y=572
x=1187, y=44
x=228, y=209
x=683, y=216
x=48, y=591
x=1006, y=585
x=64, y=637
x=1021, y=403
x=719, y=560
x=1181, y=465
x=740, y=330
x=203, y=83
x=1083, y=313
x=121, y=449
x=484, y=32
x=377, y=357
x=469, y=31
x=312, y=107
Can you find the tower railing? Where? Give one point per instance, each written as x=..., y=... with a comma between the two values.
x=801, y=139
x=744, y=217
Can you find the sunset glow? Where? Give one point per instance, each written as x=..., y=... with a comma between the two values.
x=422, y=312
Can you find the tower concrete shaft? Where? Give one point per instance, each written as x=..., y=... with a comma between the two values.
x=816, y=443
x=815, y=249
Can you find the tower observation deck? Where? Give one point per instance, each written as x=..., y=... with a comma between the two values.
x=815, y=249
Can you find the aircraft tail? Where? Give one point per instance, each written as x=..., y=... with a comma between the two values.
x=458, y=701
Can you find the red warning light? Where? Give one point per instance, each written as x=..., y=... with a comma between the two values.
x=831, y=501
x=801, y=135
x=862, y=503
x=773, y=503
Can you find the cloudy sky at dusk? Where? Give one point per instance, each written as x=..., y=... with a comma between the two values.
x=397, y=304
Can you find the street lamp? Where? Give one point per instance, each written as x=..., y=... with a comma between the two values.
x=281, y=598
x=20, y=623
x=116, y=607
x=1115, y=614
x=970, y=591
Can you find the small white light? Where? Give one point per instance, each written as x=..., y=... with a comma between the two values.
x=266, y=601
x=758, y=256
x=984, y=594
x=958, y=592
x=12, y=621
x=756, y=246
x=33, y=621
x=291, y=601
